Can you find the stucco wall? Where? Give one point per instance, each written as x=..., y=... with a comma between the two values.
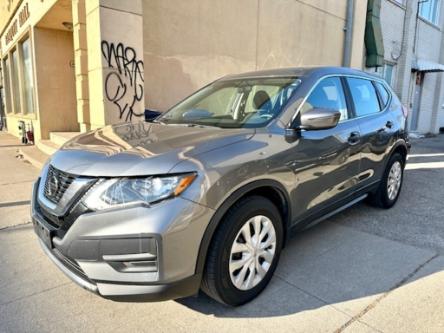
x=392, y=19
x=188, y=44
x=6, y=10
x=152, y=53
x=115, y=61
x=37, y=10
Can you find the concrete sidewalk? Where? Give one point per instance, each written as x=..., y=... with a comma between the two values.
x=16, y=180
x=365, y=270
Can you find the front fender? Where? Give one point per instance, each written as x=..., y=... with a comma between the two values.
x=228, y=203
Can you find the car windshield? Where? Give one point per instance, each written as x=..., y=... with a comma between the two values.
x=236, y=103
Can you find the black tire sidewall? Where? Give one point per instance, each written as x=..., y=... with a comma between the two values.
x=259, y=206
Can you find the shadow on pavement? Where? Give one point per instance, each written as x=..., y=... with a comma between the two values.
x=327, y=265
x=11, y=146
x=15, y=203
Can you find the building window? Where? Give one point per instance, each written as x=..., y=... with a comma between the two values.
x=388, y=73
x=28, y=84
x=429, y=10
x=15, y=81
x=7, y=84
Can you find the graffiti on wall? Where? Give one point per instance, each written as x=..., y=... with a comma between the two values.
x=124, y=83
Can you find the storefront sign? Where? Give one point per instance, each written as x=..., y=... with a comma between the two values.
x=23, y=16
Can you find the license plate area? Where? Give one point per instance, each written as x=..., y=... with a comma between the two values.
x=43, y=232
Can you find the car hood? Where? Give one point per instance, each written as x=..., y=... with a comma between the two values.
x=137, y=149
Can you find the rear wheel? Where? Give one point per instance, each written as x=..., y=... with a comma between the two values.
x=244, y=252
x=391, y=183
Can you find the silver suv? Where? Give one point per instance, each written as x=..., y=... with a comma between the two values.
x=205, y=195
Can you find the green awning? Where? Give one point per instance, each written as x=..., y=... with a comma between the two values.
x=374, y=43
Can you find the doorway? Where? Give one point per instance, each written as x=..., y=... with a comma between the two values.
x=55, y=70
x=2, y=112
x=417, y=93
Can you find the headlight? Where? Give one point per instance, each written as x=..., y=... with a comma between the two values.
x=121, y=191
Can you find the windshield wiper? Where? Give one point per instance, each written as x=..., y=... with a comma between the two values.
x=199, y=125
x=163, y=122
x=158, y=121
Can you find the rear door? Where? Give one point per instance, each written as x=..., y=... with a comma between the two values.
x=376, y=124
x=326, y=162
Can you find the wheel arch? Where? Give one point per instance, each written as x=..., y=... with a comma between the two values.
x=401, y=148
x=270, y=189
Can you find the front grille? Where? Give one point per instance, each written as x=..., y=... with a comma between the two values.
x=55, y=221
x=62, y=223
x=57, y=182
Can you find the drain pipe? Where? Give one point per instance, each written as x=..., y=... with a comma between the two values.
x=348, y=29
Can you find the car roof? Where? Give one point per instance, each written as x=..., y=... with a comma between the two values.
x=300, y=71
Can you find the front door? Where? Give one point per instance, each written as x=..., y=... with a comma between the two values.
x=376, y=125
x=326, y=162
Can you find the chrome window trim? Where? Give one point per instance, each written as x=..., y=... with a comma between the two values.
x=376, y=79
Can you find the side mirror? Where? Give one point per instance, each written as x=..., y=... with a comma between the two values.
x=319, y=119
x=150, y=115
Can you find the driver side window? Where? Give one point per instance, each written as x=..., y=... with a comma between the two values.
x=328, y=94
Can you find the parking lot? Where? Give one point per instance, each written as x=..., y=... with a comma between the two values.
x=364, y=270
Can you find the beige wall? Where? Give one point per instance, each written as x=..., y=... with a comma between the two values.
x=54, y=54
x=115, y=61
x=152, y=53
x=37, y=10
x=359, y=20
x=188, y=44
x=7, y=8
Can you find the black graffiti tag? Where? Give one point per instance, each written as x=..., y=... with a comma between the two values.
x=124, y=84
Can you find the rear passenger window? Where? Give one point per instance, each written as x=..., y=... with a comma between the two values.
x=364, y=96
x=328, y=94
x=383, y=93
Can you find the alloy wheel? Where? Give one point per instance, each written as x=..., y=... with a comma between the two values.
x=394, y=180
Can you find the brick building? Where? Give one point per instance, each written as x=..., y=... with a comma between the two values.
x=413, y=61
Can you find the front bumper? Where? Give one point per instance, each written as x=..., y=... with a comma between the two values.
x=130, y=292
x=131, y=254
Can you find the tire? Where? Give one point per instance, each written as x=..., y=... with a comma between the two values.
x=219, y=276
x=382, y=198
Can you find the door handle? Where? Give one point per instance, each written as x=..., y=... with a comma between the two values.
x=388, y=125
x=354, y=138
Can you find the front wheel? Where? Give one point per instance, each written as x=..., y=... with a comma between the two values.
x=391, y=183
x=244, y=252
